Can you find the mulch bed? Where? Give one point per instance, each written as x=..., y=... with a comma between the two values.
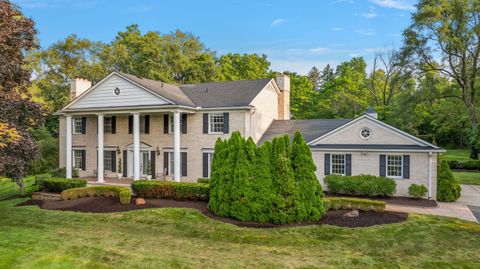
x=105, y=205
x=406, y=201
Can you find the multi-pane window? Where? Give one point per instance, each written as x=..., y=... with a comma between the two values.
x=171, y=124
x=216, y=122
x=209, y=165
x=107, y=160
x=107, y=125
x=394, y=166
x=337, y=164
x=171, y=163
x=78, y=158
x=77, y=125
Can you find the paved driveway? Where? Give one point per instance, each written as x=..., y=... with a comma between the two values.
x=470, y=195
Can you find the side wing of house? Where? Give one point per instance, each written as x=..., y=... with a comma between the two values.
x=369, y=146
x=265, y=111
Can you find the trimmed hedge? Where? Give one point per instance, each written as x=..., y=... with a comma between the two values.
x=417, y=191
x=123, y=193
x=336, y=203
x=171, y=190
x=366, y=185
x=464, y=165
x=28, y=191
x=203, y=180
x=59, y=184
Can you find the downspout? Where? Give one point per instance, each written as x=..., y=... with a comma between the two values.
x=430, y=175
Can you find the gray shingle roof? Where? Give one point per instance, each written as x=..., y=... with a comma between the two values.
x=169, y=91
x=310, y=129
x=224, y=94
x=374, y=147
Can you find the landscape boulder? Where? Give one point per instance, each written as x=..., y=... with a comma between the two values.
x=139, y=201
x=352, y=214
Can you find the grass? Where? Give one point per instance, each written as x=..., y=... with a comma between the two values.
x=184, y=238
x=456, y=154
x=11, y=188
x=469, y=178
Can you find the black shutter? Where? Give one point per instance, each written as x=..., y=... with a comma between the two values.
x=326, y=164
x=152, y=163
x=205, y=123
x=114, y=124
x=146, y=121
x=226, y=122
x=348, y=164
x=113, y=155
x=165, y=123
x=383, y=165
x=84, y=125
x=406, y=166
x=165, y=163
x=125, y=163
x=130, y=124
x=183, y=162
x=205, y=165
x=184, y=123
x=84, y=160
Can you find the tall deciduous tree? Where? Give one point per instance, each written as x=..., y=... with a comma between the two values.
x=17, y=114
x=234, y=66
x=444, y=36
x=314, y=76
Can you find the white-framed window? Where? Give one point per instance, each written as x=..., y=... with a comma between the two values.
x=107, y=125
x=209, y=162
x=337, y=164
x=394, y=166
x=142, y=124
x=78, y=158
x=171, y=163
x=77, y=125
x=215, y=123
x=107, y=160
x=170, y=127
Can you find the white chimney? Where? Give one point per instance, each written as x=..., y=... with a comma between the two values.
x=283, y=82
x=79, y=86
x=370, y=112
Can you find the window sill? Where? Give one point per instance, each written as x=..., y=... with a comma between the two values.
x=216, y=133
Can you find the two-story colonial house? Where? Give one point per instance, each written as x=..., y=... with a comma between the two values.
x=171, y=130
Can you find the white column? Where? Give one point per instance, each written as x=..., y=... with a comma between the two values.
x=100, y=149
x=176, y=146
x=430, y=175
x=136, y=146
x=68, y=140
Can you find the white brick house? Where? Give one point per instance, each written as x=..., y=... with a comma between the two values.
x=136, y=121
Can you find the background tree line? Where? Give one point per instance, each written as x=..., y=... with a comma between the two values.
x=428, y=87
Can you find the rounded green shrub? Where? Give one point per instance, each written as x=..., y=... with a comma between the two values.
x=28, y=191
x=123, y=193
x=417, y=191
x=448, y=189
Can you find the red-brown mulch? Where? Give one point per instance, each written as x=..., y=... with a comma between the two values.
x=406, y=201
x=105, y=205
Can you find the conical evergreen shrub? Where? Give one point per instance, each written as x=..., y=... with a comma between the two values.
x=448, y=189
x=311, y=193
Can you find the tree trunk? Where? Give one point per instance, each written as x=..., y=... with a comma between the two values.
x=473, y=121
x=21, y=184
x=474, y=152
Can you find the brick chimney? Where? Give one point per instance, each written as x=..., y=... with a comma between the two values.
x=283, y=82
x=79, y=86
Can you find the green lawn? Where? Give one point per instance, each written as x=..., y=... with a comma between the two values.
x=456, y=154
x=11, y=188
x=184, y=238
x=469, y=178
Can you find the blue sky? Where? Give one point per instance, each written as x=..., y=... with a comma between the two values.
x=295, y=35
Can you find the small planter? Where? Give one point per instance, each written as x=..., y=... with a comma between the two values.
x=119, y=176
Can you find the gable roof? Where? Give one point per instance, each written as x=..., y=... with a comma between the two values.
x=169, y=91
x=310, y=129
x=225, y=94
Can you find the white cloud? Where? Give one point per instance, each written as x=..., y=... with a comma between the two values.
x=396, y=4
x=369, y=15
x=318, y=50
x=369, y=32
x=337, y=29
x=277, y=22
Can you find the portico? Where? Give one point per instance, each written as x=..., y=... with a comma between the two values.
x=136, y=147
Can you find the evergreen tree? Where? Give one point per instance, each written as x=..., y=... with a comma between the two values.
x=448, y=190
x=217, y=175
x=311, y=205
x=264, y=194
x=314, y=76
x=241, y=191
